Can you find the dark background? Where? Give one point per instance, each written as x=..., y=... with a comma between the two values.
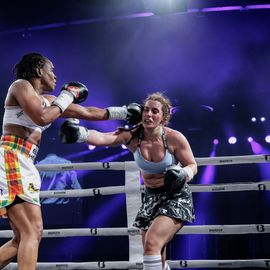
x=213, y=65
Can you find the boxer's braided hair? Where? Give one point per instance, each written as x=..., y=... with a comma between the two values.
x=26, y=68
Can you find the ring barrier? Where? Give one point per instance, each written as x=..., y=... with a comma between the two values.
x=225, y=160
x=111, y=190
x=179, y=264
x=133, y=189
x=195, y=229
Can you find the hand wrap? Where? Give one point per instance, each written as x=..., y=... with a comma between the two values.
x=73, y=92
x=131, y=113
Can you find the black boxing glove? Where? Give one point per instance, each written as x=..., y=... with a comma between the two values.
x=71, y=132
x=131, y=113
x=134, y=116
x=77, y=89
x=175, y=178
x=73, y=92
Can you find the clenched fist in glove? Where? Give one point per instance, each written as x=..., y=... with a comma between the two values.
x=77, y=89
x=73, y=92
x=71, y=132
x=134, y=116
x=175, y=178
x=131, y=113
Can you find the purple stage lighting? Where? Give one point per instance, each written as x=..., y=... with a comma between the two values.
x=232, y=140
x=215, y=141
x=262, y=119
x=174, y=109
x=256, y=147
x=216, y=9
x=250, y=139
x=267, y=138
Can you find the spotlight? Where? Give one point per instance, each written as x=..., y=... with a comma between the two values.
x=160, y=7
x=253, y=119
x=215, y=141
x=262, y=119
x=123, y=146
x=232, y=140
x=250, y=139
x=91, y=147
x=267, y=138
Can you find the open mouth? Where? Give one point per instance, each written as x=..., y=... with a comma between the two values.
x=148, y=121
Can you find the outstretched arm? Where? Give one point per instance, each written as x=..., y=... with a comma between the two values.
x=106, y=139
x=131, y=113
x=72, y=132
x=87, y=113
x=77, y=111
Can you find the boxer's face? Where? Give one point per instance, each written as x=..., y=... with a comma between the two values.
x=47, y=76
x=152, y=114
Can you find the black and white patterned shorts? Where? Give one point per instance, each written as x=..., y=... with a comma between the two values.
x=155, y=202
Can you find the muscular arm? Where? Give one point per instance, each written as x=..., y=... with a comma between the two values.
x=86, y=113
x=22, y=93
x=183, y=151
x=108, y=138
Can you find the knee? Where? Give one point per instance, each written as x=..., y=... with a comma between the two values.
x=39, y=231
x=152, y=246
x=33, y=231
x=15, y=240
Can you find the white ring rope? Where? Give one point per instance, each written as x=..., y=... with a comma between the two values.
x=232, y=160
x=255, y=186
x=82, y=192
x=195, y=229
x=116, y=166
x=179, y=264
x=226, y=160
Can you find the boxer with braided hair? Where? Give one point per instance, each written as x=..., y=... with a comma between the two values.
x=28, y=112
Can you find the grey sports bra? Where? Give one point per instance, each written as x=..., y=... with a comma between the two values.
x=154, y=167
x=15, y=115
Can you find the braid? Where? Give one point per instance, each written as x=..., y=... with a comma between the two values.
x=26, y=68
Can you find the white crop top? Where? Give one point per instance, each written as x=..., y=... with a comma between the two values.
x=15, y=115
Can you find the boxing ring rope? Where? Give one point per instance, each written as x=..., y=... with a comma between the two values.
x=225, y=160
x=179, y=264
x=111, y=190
x=195, y=229
x=133, y=189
